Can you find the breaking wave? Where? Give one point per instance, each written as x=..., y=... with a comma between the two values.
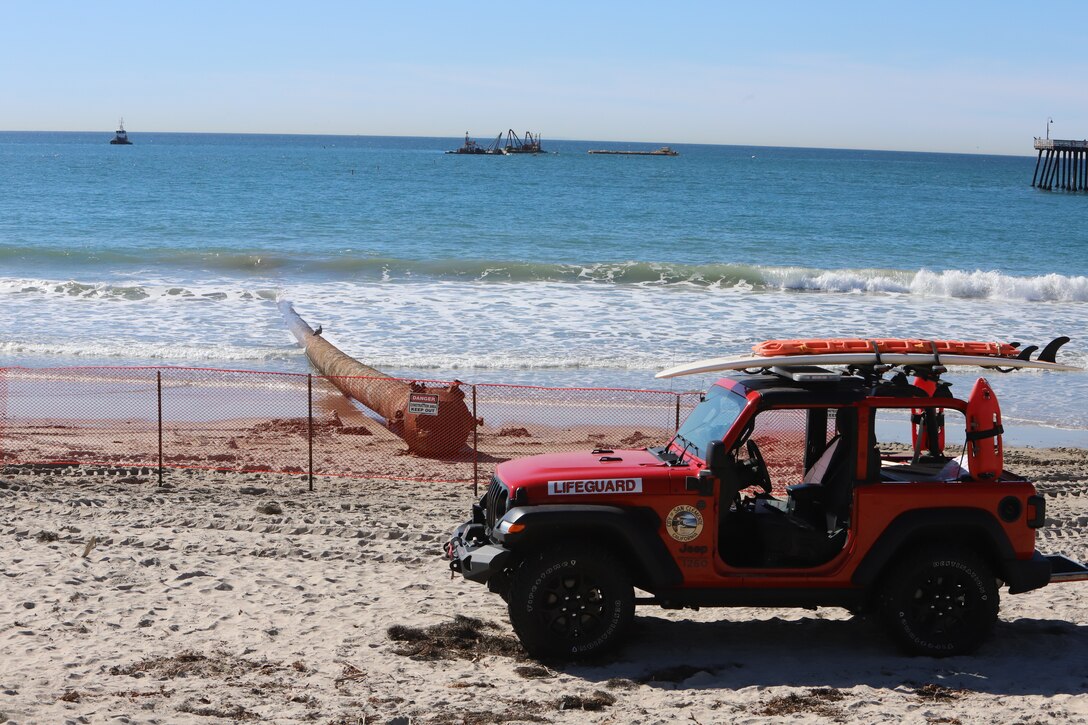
x=994, y=285
x=132, y=292
x=960, y=284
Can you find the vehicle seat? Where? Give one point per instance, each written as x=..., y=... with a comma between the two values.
x=820, y=469
x=827, y=490
x=813, y=499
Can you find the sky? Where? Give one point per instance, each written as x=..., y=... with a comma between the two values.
x=971, y=77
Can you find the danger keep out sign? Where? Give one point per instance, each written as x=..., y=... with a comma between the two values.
x=423, y=403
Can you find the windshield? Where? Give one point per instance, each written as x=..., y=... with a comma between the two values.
x=710, y=420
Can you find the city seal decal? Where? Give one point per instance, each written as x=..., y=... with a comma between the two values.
x=595, y=485
x=684, y=523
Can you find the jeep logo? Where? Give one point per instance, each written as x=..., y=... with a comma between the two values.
x=689, y=549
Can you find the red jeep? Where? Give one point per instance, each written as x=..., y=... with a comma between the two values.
x=776, y=491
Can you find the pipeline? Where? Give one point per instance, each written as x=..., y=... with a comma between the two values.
x=432, y=421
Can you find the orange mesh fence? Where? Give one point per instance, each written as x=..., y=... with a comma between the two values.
x=235, y=420
x=3, y=411
x=104, y=416
x=301, y=424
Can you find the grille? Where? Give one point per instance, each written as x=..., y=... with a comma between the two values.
x=496, y=501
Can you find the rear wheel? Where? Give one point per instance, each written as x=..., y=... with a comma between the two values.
x=570, y=602
x=940, y=602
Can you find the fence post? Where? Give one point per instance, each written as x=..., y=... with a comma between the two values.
x=677, y=412
x=475, y=448
x=310, y=424
x=158, y=388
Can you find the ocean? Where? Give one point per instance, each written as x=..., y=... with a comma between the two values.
x=563, y=269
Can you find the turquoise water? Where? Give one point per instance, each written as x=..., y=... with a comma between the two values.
x=350, y=207
x=564, y=268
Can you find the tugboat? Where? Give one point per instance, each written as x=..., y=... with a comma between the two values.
x=121, y=138
x=470, y=147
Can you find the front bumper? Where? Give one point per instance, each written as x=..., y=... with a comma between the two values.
x=473, y=556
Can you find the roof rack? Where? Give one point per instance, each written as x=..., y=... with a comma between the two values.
x=807, y=373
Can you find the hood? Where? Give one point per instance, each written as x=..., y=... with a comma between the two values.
x=577, y=477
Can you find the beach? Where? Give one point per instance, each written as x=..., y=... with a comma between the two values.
x=226, y=597
x=242, y=595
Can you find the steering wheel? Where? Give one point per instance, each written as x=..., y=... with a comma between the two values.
x=761, y=476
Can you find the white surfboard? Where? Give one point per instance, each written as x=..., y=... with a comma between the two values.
x=857, y=358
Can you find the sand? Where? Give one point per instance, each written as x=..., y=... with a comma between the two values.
x=226, y=597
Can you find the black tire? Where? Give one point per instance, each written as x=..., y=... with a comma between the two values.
x=940, y=602
x=570, y=602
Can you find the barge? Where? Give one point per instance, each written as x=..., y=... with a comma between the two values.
x=663, y=151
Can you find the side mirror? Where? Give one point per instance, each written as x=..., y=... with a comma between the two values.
x=717, y=458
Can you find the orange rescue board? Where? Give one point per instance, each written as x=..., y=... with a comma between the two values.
x=985, y=455
x=830, y=346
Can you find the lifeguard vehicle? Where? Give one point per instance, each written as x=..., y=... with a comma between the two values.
x=778, y=491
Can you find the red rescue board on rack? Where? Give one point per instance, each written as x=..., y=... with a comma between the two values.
x=831, y=346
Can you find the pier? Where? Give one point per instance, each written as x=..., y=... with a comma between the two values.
x=1065, y=164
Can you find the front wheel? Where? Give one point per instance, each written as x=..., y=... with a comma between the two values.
x=570, y=602
x=940, y=602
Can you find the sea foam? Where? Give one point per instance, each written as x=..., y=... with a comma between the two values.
x=961, y=284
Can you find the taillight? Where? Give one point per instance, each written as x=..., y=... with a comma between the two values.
x=1036, y=511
